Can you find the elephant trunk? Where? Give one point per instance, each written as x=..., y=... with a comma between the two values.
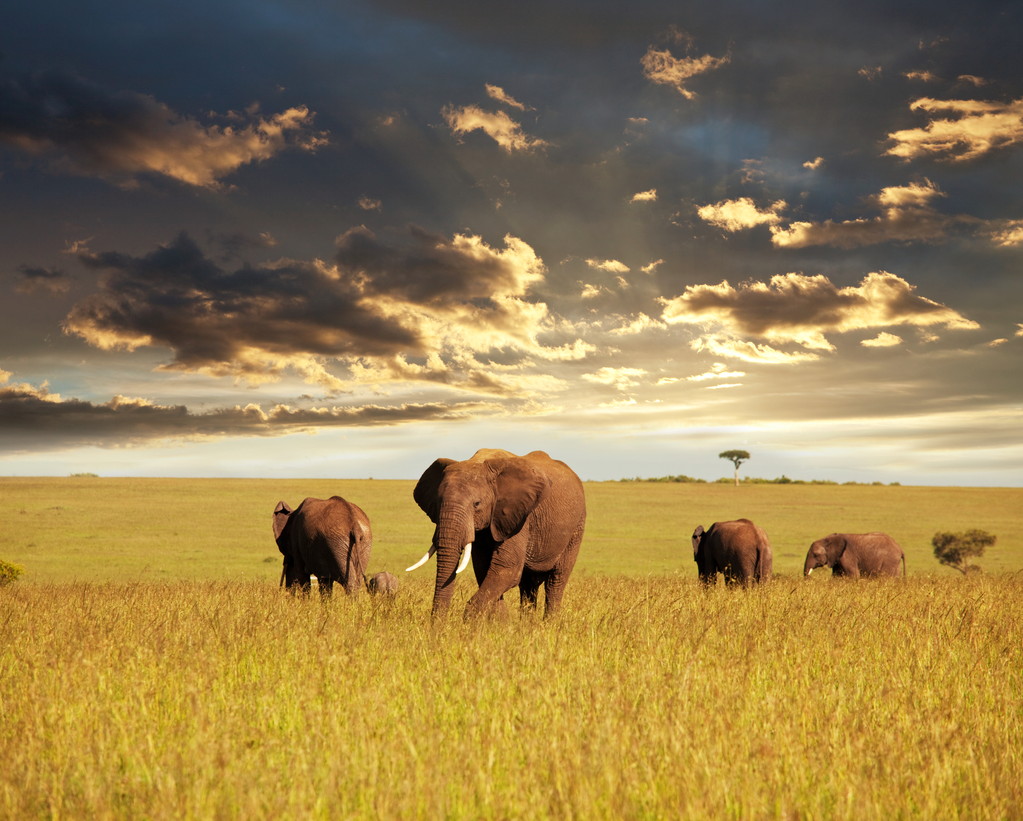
x=455, y=534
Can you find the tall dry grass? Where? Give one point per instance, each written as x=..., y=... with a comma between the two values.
x=648, y=698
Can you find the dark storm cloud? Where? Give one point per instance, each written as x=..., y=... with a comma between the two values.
x=33, y=280
x=246, y=321
x=424, y=296
x=426, y=268
x=33, y=418
x=121, y=135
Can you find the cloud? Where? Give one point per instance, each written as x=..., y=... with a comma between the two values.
x=976, y=128
x=32, y=417
x=882, y=340
x=32, y=280
x=370, y=204
x=122, y=135
x=620, y=378
x=611, y=265
x=421, y=297
x=906, y=216
x=650, y=267
x=499, y=94
x=1009, y=234
x=814, y=164
x=801, y=310
x=645, y=196
x=736, y=215
x=719, y=370
x=495, y=124
x=663, y=68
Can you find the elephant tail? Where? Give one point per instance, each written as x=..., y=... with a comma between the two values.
x=903, y=565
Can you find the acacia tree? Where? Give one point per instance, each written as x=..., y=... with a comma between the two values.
x=955, y=549
x=737, y=457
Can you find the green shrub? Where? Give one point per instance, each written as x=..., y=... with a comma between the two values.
x=9, y=573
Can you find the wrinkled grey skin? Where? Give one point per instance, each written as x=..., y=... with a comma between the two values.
x=382, y=584
x=327, y=538
x=738, y=549
x=856, y=555
x=524, y=516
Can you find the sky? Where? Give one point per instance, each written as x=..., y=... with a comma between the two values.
x=302, y=238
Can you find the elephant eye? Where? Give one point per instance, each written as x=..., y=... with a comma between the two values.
x=476, y=504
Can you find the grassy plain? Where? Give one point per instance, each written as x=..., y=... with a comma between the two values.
x=150, y=667
x=648, y=698
x=97, y=529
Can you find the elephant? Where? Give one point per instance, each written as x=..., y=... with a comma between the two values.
x=855, y=555
x=519, y=518
x=382, y=584
x=328, y=538
x=738, y=549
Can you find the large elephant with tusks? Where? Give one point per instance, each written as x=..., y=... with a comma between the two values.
x=519, y=518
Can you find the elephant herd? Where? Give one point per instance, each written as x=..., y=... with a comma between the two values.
x=520, y=520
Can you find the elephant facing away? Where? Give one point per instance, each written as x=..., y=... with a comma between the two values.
x=737, y=549
x=327, y=538
x=519, y=518
x=856, y=555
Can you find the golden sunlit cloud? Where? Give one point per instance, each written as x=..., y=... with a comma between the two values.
x=122, y=135
x=425, y=309
x=736, y=215
x=923, y=76
x=611, y=265
x=498, y=93
x=882, y=340
x=620, y=378
x=800, y=309
x=636, y=325
x=497, y=125
x=370, y=204
x=978, y=128
x=907, y=216
x=719, y=370
x=870, y=72
x=814, y=164
x=650, y=267
x=662, y=67
x=645, y=196
x=1009, y=235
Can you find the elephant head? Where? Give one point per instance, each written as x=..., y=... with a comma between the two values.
x=824, y=553
x=697, y=538
x=281, y=515
x=485, y=498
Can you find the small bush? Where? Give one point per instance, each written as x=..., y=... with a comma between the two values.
x=956, y=549
x=9, y=573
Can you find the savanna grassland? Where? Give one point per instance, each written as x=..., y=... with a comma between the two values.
x=150, y=667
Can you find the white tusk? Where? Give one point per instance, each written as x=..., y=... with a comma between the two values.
x=808, y=572
x=424, y=560
x=465, y=559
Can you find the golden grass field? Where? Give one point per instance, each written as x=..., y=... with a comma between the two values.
x=150, y=667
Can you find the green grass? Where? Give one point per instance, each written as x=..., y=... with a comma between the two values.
x=648, y=698
x=94, y=529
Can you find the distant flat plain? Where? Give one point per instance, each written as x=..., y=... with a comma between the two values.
x=121, y=529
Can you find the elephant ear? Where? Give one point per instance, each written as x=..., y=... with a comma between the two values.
x=280, y=519
x=426, y=489
x=520, y=487
x=697, y=539
x=836, y=547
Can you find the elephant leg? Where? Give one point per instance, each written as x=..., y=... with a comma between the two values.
x=326, y=585
x=557, y=579
x=529, y=587
x=503, y=571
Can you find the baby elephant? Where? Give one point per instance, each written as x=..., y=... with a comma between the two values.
x=382, y=584
x=327, y=538
x=738, y=549
x=856, y=555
